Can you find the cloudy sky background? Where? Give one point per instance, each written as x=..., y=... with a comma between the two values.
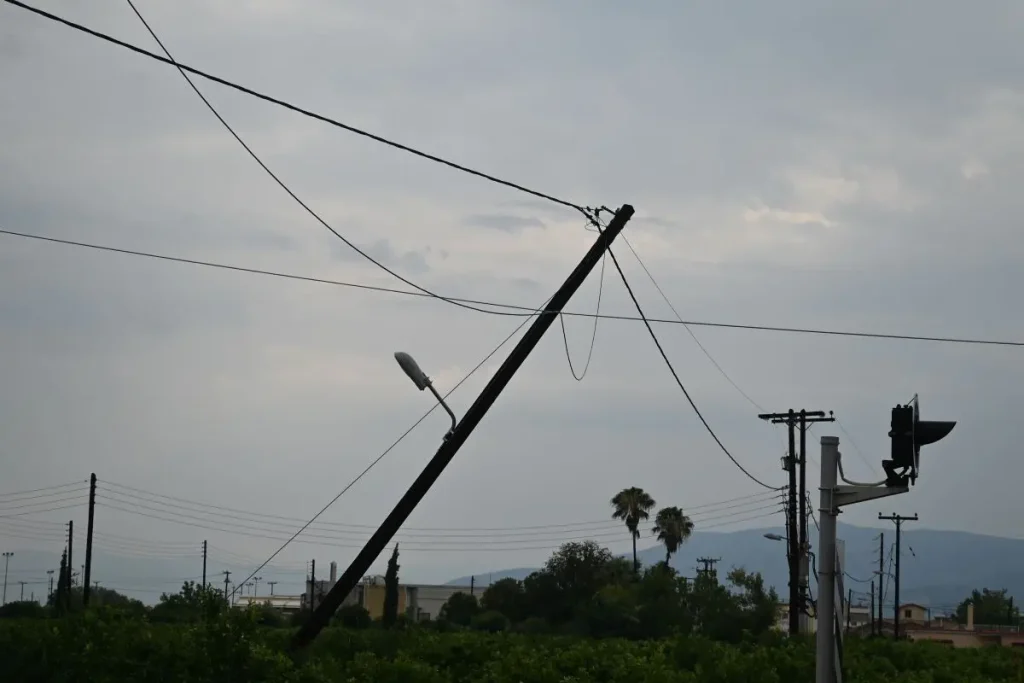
x=854, y=167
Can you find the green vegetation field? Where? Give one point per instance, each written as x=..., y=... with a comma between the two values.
x=106, y=647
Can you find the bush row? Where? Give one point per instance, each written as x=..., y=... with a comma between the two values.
x=104, y=647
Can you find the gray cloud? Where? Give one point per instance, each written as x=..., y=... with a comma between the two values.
x=405, y=262
x=504, y=222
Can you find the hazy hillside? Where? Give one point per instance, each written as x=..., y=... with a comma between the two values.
x=140, y=577
x=939, y=568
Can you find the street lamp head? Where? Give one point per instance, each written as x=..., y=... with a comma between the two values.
x=775, y=537
x=412, y=369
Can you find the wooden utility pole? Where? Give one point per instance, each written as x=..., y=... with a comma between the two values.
x=87, y=571
x=849, y=603
x=872, y=608
x=797, y=546
x=709, y=566
x=227, y=576
x=898, y=519
x=881, y=580
x=204, y=564
x=459, y=433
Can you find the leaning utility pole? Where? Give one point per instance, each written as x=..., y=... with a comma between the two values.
x=455, y=439
x=798, y=546
x=86, y=579
x=898, y=519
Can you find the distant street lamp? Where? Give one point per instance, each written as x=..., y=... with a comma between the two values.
x=420, y=379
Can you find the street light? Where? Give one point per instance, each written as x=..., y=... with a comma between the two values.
x=420, y=379
x=775, y=537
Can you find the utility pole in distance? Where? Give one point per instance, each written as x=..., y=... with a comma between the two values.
x=898, y=519
x=7, y=561
x=204, y=564
x=87, y=578
x=872, y=608
x=227, y=577
x=709, y=565
x=796, y=531
x=271, y=584
x=881, y=579
x=460, y=432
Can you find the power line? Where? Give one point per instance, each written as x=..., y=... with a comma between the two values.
x=262, y=524
x=299, y=110
x=687, y=328
x=489, y=532
x=36, y=512
x=477, y=546
x=278, y=180
x=593, y=337
x=675, y=375
x=45, y=488
x=5, y=508
x=524, y=311
x=261, y=529
x=854, y=444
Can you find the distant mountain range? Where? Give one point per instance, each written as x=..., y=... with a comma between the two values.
x=938, y=568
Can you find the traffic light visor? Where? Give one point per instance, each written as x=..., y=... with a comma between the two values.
x=929, y=431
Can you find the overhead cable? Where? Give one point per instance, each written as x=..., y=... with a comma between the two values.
x=524, y=311
x=299, y=110
x=679, y=382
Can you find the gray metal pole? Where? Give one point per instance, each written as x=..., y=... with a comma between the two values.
x=826, y=635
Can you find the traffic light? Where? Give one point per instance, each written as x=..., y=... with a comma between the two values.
x=908, y=433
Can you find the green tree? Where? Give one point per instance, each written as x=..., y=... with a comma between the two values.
x=193, y=602
x=22, y=609
x=632, y=506
x=992, y=607
x=459, y=609
x=571, y=577
x=491, y=622
x=100, y=597
x=664, y=603
x=60, y=599
x=390, y=614
x=672, y=528
x=353, y=616
x=506, y=596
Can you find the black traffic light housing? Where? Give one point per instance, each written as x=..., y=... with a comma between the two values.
x=908, y=433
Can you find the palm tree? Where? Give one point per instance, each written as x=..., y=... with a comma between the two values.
x=672, y=528
x=631, y=506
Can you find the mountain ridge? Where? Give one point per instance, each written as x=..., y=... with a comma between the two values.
x=938, y=568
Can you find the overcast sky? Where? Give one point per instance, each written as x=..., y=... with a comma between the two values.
x=851, y=167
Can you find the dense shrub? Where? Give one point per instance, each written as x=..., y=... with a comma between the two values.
x=107, y=646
